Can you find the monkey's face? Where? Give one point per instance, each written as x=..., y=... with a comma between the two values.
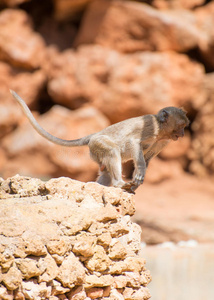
x=173, y=120
x=178, y=123
x=179, y=132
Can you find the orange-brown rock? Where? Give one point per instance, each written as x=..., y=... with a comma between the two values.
x=160, y=170
x=202, y=152
x=129, y=26
x=187, y=4
x=13, y=3
x=177, y=150
x=180, y=208
x=205, y=20
x=28, y=84
x=47, y=213
x=124, y=86
x=19, y=44
x=29, y=153
x=69, y=9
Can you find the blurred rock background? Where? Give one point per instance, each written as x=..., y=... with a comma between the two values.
x=82, y=65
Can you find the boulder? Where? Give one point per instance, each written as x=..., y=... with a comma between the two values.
x=27, y=84
x=123, y=86
x=205, y=20
x=201, y=153
x=177, y=4
x=64, y=9
x=47, y=217
x=19, y=44
x=13, y=3
x=129, y=26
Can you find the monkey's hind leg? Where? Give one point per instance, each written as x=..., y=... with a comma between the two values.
x=107, y=154
x=104, y=177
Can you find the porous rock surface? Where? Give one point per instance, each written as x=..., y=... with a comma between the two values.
x=64, y=239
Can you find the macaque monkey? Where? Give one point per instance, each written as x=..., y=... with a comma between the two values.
x=138, y=139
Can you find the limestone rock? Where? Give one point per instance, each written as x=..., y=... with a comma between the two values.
x=104, y=239
x=60, y=240
x=177, y=4
x=19, y=44
x=94, y=293
x=99, y=261
x=6, y=260
x=119, y=228
x=202, y=148
x=146, y=81
x=30, y=267
x=59, y=246
x=132, y=264
x=142, y=293
x=84, y=245
x=69, y=9
x=51, y=269
x=120, y=281
x=24, y=187
x=117, y=250
x=5, y=294
x=28, y=84
x=139, y=27
x=32, y=290
x=116, y=295
x=58, y=289
x=71, y=272
x=12, y=3
x=205, y=21
x=132, y=238
x=12, y=279
x=95, y=281
x=133, y=279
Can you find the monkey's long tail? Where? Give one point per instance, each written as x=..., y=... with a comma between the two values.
x=68, y=143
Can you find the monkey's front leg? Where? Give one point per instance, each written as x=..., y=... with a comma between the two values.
x=140, y=170
x=140, y=166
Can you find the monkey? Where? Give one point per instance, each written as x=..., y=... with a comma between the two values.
x=138, y=139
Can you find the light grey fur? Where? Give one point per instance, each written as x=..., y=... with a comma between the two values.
x=139, y=139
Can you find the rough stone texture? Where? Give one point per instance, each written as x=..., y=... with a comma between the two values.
x=117, y=85
x=205, y=20
x=12, y=3
x=51, y=245
x=123, y=86
x=69, y=9
x=139, y=27
x=39, y=59
x=19, y=45
x=178, y=4
x=28, y=84
x=202, y=150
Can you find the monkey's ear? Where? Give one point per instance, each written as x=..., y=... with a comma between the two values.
x=183, y=109
x=163, y=115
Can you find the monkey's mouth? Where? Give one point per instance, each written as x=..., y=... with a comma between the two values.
x=175, y=137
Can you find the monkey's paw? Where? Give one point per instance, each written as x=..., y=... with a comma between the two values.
x=138, y=179
x=129, y=187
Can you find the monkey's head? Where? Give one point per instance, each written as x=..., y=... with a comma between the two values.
x=172, y=121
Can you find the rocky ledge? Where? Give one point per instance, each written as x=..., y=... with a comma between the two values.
x=63, y=239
